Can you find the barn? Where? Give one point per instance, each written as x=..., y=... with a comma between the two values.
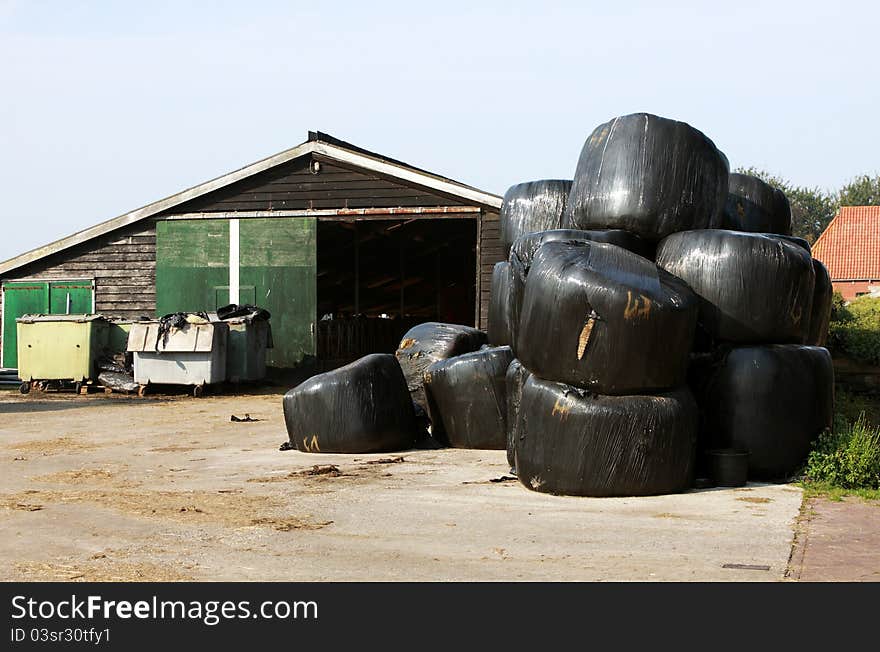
x=850, y=249
x=345, y=248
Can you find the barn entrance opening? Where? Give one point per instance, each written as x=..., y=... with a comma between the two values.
x=376, y=278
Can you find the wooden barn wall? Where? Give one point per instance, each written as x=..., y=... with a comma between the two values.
x=490, y=253
x=122, y=264
x=291, y=186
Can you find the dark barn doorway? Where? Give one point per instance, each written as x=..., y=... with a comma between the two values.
x=376, y=278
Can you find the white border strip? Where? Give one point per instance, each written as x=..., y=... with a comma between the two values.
x=234, y=261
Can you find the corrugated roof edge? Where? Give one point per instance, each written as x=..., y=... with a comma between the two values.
x=318, y=142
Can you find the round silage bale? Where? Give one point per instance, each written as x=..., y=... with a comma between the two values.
x=753, y=288
x=602, y=318
x=572, y=442
x=649, y=175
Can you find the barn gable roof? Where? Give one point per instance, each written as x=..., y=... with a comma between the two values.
x=850, y=245
x=319, y=144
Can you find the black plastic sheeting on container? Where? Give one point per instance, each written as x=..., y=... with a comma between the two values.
x=425, y=344
x=773, y=401
x=755, y=206
x=605, y=319
x=649, y=175
x=516, y=378
x=575, y=443
x=363, y=407
x=503, y=305
x=532, y=206
x=753, y=288
x=820, y=315
x=467, y=399
x=234, y=310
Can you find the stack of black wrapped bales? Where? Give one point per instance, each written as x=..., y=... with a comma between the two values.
x=650, y=310
x=762, y=378
x=602, y=336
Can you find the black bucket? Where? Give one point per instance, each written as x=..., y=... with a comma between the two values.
x=729, y=467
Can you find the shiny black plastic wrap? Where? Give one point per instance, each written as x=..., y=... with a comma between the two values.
x=467, y=399
x=425, y=344
x=602, y=318
x=648, y=175
x=363, y=407
x=503, y=305
x=572, y=442
x=753, y=288
x=755, y=206
x=511, y=282
x=532, y=206
x=800, y=242
x=772, y=401
x=526, y=246
x=516, y=378
x=820, y=315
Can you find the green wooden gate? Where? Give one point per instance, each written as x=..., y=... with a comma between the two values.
x=276, y=271
x=40, y=298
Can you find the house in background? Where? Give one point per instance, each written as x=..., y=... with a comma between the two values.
x=850, y=249
x=324, y=229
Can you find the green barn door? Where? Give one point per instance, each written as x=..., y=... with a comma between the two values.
x=276, y=271
x=70, y=297
x=192, y=259
x=40, y=298
x=278, y=268
x=19, y=299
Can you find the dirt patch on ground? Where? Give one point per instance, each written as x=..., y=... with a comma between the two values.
x=53, y=446
x=100, y=570
x=80, y=475
x=178, y=448
x=19, y=503
x=755, y=499
x=218, y=507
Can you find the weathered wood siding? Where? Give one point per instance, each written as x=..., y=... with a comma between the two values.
x=292, y=186
x=490, y=253
x=122, y=264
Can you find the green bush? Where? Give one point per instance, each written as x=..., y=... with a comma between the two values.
x=855, y=329
x=847, y=457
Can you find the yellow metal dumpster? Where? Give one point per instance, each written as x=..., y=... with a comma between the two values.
x=60, y=348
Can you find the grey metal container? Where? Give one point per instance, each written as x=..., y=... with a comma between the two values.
x=246, y=356
x=193, y=355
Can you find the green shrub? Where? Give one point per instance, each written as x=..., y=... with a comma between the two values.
x=847, y=457
x=855, y=329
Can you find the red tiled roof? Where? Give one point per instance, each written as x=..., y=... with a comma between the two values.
x=850, y=245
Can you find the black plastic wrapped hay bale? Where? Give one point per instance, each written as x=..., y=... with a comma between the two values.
x=523, y=252
x=467, y=399
x=575, y=443
x=503, y=305
x=605, y=319
x=516, y=378
x=772, y=401
x=363, y=407
x=755, y=206
x=820, y=315
x=800, y=242
x=648, y=175
x=532, y=206
x=427, y=343
x=753, y=288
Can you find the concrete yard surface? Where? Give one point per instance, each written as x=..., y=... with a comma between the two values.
x=168, y=488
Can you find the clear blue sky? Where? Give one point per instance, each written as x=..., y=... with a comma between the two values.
x=107, y=106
